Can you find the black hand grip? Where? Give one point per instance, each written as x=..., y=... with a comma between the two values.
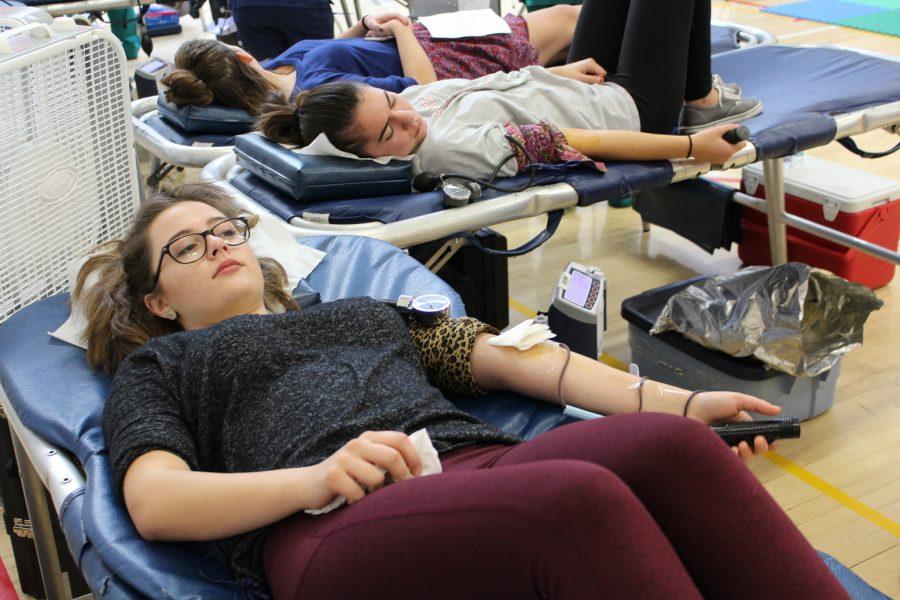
x=733, y=136
x=771, y=429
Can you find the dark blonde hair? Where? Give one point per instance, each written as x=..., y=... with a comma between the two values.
x=209, y=72
x=328, y=108
x=118, y=320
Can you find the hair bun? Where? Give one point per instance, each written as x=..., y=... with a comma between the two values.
x=184, y=87
x=279, y=119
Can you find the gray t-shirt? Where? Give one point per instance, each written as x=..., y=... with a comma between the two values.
x=260, y=392
x=466, y=118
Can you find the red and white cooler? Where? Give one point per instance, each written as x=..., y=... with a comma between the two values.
x=842, y=198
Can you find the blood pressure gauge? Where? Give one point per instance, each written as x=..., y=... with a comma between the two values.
x=425, y=309
x=577, y=312
x=460, y=194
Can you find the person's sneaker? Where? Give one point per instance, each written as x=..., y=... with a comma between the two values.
x=731, y=88
x=730, y=109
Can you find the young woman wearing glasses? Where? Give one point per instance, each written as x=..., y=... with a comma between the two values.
x=231, y=412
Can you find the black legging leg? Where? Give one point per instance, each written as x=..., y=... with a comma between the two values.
x=658, y=51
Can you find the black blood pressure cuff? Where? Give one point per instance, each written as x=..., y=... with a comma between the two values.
x=308, y=178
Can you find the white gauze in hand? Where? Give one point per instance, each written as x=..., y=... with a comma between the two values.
x=428, y=458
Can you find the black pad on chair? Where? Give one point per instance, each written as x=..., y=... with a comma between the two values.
x=211, y=119
x=306, y=177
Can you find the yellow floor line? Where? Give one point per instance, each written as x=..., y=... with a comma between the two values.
x=612, y=361
x=519, y=307
x=863, y=510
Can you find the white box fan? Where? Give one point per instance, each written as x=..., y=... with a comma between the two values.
x=68, y=176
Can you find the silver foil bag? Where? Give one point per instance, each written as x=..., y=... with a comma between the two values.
x=793, y=317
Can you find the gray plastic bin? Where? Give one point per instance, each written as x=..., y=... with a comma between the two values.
x=672, y=358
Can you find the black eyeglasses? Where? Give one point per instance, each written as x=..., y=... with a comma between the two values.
x=191, y=247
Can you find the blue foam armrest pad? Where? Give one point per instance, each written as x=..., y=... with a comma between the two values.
x=211, y=119
x=306, y=177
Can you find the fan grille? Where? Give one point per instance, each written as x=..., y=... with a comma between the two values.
x=66, y=180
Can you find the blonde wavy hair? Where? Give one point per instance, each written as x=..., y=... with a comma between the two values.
x=118, y=320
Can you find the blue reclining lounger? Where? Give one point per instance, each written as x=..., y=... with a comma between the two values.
x=190, y=142
x=47, y=388
x=835, y=93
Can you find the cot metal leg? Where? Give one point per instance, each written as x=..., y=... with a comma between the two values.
x=444, y=253
x=154, y=165
x=832, y=235
x=39, y=513
x=773, y=169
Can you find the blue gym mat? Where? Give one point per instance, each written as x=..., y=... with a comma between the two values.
x=880, y=16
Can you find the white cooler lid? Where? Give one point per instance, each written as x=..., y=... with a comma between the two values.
x=836, y=187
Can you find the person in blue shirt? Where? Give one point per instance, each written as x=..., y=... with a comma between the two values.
x=267, y=28
x=211, y=72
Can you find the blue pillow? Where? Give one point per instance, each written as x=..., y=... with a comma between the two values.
x=314, y=178
x=205, y=119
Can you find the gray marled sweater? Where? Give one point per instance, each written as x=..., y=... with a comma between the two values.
x=260, y=392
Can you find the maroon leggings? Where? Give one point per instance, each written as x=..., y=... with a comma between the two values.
x=631, y=506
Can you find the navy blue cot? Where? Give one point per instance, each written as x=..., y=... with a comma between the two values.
x=824, y=82
x=177, y=135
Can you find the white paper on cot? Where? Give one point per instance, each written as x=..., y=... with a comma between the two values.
x=466, y=23
x=524, y=335
x=428, y=457
x=268, y=239
x=322, y=146
x=72, y=331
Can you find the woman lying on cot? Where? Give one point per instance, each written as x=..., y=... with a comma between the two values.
x=653, y=59
x=211, y=72
x=231, y=413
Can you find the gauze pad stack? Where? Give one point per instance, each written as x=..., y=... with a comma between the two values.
x=524, y=335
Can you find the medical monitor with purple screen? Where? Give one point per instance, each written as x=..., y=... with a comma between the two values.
x=578, y=289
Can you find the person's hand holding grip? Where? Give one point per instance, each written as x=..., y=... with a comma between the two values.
x=732, y=407
x=713, y=145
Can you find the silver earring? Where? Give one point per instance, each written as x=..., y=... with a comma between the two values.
x=170, y=314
